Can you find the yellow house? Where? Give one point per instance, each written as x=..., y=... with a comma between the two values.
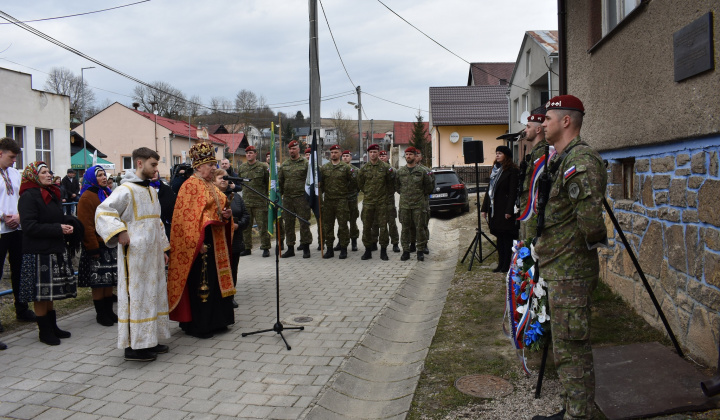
x=460, y=114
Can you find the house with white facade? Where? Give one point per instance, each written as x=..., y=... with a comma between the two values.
x=38, y=121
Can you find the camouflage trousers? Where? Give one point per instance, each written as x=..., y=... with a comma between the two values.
x=391, y=225
x=335, y=209
x=570, y=322
x=425, y=224
x=299, y=206
x=260, y=216
x=373, y=213
x=413, y=228
x=354, y=214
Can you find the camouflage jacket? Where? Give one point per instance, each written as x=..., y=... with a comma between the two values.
x=334, y=180
x=352, y=188
x=536, y=153
x=574, y=223
x=291, y=177
x=413, y=184
x=390, y=193
x=432, y=178
x=260, y=174
x=374, y=180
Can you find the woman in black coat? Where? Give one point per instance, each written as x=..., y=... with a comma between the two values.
x=47, y=273
x=499, y=201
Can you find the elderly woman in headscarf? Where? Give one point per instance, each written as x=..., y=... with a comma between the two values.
x=499, y=201
x=98, y=263
x=47, y=272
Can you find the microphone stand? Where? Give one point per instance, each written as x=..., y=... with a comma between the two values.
x=278, y=327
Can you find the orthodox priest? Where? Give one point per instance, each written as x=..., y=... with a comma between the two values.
x=130, y=216
x=200, y=283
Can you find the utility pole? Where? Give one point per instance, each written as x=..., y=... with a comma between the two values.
x=371, y=139
x=314, y=70
x=359, y=107
x=82, y=100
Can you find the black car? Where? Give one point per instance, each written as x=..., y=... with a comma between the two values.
x=449, y=193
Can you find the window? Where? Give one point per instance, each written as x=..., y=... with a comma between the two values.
x=628, y=175
x=614, y=11
x=527, y=63
x=128, y=163
x=17, y=133
x=525, y=102
x=517, y=110
x=176, y=160
x=43, y=148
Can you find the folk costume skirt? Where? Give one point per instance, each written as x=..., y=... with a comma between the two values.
x=47, y=277
x=98, y=272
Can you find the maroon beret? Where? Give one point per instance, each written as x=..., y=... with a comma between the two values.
x=565, y=102
x=293, y=144
x=411, y=150
x=346, y=152
x=538, y=118
x=250, y=149
x=383, y=153
x=335, y=147
x=373, y=147
x=308, y=150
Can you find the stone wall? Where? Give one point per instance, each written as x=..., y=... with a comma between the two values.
x=673, y=224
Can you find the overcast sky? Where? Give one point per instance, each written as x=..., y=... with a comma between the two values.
x=218, y=47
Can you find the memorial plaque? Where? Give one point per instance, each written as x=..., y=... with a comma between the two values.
x=693, y=48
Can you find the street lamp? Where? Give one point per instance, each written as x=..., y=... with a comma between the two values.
x=82, y=99
x=359, y=108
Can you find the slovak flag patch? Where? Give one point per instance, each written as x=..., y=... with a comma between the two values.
x=570, y=172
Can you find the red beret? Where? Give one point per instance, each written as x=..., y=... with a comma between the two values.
x=335, y=147
x=308, y=150
x=411, y=150
x=267, y=154
x=565, y=102
x=346, y=152
x=538, y=118
x=293, y=144
x=373, y=147
x=250, y=149
x=383, y=153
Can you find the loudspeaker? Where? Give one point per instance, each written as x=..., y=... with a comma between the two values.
x=473, y=151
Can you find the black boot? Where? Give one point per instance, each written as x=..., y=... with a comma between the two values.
x=139, y=355
x=300, y=247
x=109, y=307
x=266, y=253
x=306, y=251
x=412, y=247
x=329, y=253
x=319, y=248
x=396, y=248
x=374, y=247
x=242, y=254
x=343, y=252
x=367, y=255
x=354, y=244
x=556, y=416
x=47, y=335
x=289, y=253
x=420, y=256
x=426, y=250
x=58, y=332
x=101, y=314
x=3, y=346
x=383, y=254
x=405, y=256
x=337, y=247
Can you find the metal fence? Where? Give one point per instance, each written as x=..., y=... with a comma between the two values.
x=467, y=174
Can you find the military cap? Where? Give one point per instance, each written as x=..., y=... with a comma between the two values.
x=383, y=153
x=538, y=118
x=569, y=102
x=373, y=147
x=293, y=144
x=250, y=149
x=334, y=147
x=411, y=150
x=346, y=152
x=308, y=150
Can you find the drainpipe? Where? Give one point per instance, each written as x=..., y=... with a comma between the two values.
x=550, y=86
x=562, y=48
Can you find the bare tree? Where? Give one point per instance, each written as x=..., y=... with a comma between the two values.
x=345, y=130
x=63, y=81
x=193, y=106
x=168, y=101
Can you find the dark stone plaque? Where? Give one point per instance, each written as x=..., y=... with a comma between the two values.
x=693, y=48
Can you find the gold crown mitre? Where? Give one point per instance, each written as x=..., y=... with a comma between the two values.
x=202, y=153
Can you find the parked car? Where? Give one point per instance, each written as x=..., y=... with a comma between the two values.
x=450, y=192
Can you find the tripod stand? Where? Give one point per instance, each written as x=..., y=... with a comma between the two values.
x=476, y=244
x=278, y=327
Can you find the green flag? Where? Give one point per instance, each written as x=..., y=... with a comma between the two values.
x=274, y=194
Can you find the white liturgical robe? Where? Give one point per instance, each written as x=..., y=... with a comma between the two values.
x=142, y=285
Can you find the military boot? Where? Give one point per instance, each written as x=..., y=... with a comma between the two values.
x=367, y=255
x=405, y=256
x=306, y=251
x=337, y=247
x=383, y=254
x=343, y=252
x=354, y=244
x=329, y=253
x=374, y=247
x=396, y=248
x=289, y=253
x=420, y=256
x=412, y=247
x=426, y=250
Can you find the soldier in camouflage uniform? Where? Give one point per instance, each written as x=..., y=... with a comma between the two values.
x=413, y=183
x=259, y=173
x=418, y=160
x=291, y=183
x=391, y=213
x=374, y=180
x=567, y=251
x=534, y=140
x=335, y=176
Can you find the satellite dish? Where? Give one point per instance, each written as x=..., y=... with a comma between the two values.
x=524, y=116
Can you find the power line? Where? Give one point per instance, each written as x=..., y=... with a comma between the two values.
x=78, y=14
x=446, y=48
x=399, y=104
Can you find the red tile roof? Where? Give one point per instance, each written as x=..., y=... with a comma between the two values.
x=402, y=132
x=489, y=74
x=177, y=127
x=231, y=140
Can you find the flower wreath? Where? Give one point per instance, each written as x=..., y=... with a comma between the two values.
x=526, y=303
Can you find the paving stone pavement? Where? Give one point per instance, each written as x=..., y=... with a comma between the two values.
x=359, y=357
